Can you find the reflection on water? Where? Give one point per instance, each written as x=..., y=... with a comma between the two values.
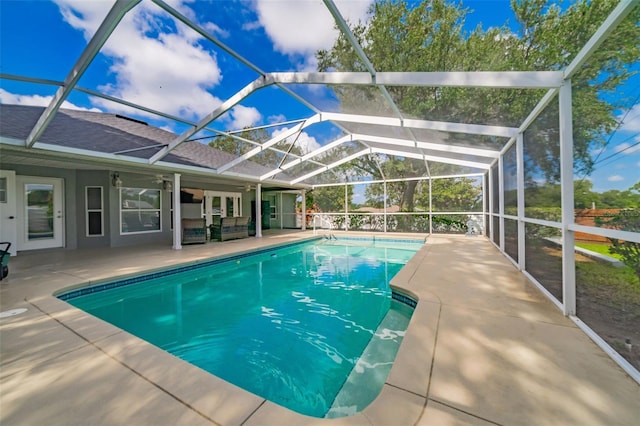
x=291, y=328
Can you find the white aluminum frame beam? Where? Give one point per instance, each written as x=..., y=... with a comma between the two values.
x=388, y=121
x=220, y=110
x=177, y=213
x=420, y=178
x=520, y=201
x=437, y=159
x=292, y=131
x=148, y=110
x=488, y=79
x=501, y=200
x=307, y=157
x=188, y=22
x=108, y=25
x=332, y=165
x=504, y=79
x=608, y=26
x=395, y=142
x=442, y=126
x=567, y=199
x=478, y=152
x=344, y=28
x=119, y=159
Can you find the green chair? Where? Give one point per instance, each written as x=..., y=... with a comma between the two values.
x=4, y=260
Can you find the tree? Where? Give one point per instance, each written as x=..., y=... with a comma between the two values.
x=430, y=37
x=267, y=157
x=455, y=194
x=331, y=198
x=626, y=220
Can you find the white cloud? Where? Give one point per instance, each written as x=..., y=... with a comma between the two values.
x=278, y=118
x=305, y=142
x=597, y=151
x=250, y=26
x=627, y=148
x=615, y=178
x=242, y=116
x=303, y=27
x=84, y=15
x=631, y=120
x=36, y=100
x=171, y=72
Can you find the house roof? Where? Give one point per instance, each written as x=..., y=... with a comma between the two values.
x=113, y=134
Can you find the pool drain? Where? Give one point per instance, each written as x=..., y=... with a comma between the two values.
x=12, y=312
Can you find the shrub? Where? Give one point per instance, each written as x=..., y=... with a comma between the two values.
x=626, y=220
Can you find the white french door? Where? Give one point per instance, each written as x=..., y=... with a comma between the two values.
x=40, y=218
x=8, y=210
x=223, y=204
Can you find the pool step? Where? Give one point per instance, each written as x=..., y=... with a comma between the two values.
x=370, y=372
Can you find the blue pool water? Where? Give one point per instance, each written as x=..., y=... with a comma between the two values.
x=311, y=326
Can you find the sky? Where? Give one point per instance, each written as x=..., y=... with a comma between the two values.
x=145, y=59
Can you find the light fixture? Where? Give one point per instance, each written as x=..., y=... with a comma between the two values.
x=116, y=182
x=166, y=185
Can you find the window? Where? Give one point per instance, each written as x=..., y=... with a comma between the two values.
x=3, y=190
x=139, y=210
x=93, y=199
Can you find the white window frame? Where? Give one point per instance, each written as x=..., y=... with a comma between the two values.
x=3, y=191
x=88, y=211
x=158, y=210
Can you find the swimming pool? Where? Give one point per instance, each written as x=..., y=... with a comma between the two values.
x=308, y=326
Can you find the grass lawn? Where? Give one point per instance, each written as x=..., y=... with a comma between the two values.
x=607, y=297
x=598, y=248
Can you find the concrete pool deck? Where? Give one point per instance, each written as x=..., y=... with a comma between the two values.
x=484, y=346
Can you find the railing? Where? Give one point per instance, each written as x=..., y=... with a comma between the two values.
x=418, y=222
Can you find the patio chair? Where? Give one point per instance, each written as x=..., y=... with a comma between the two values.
x=4, y=260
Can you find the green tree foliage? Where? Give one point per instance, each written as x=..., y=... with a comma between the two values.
x=626, y=220
x=454, y=194
x=585, y=197
x=240, y=145
x=429, y=36
x=330, y=198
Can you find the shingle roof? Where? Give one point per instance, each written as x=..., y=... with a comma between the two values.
x=112, y=133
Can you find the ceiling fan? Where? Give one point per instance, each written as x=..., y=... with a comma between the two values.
x=159, y=179
x=164, y=181
x=246, y=187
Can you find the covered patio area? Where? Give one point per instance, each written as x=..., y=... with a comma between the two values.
x=484, y=346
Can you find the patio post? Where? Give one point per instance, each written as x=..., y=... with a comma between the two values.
x=303, y=209
x=501, y=199
x=567, y=200
x=346, y=208
x=259, y=210
x=177, y=214
x=520, y=195
x=281, y=213
x=385, y=205
x=430, y=208
x=485, y=221
x=491, y=188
